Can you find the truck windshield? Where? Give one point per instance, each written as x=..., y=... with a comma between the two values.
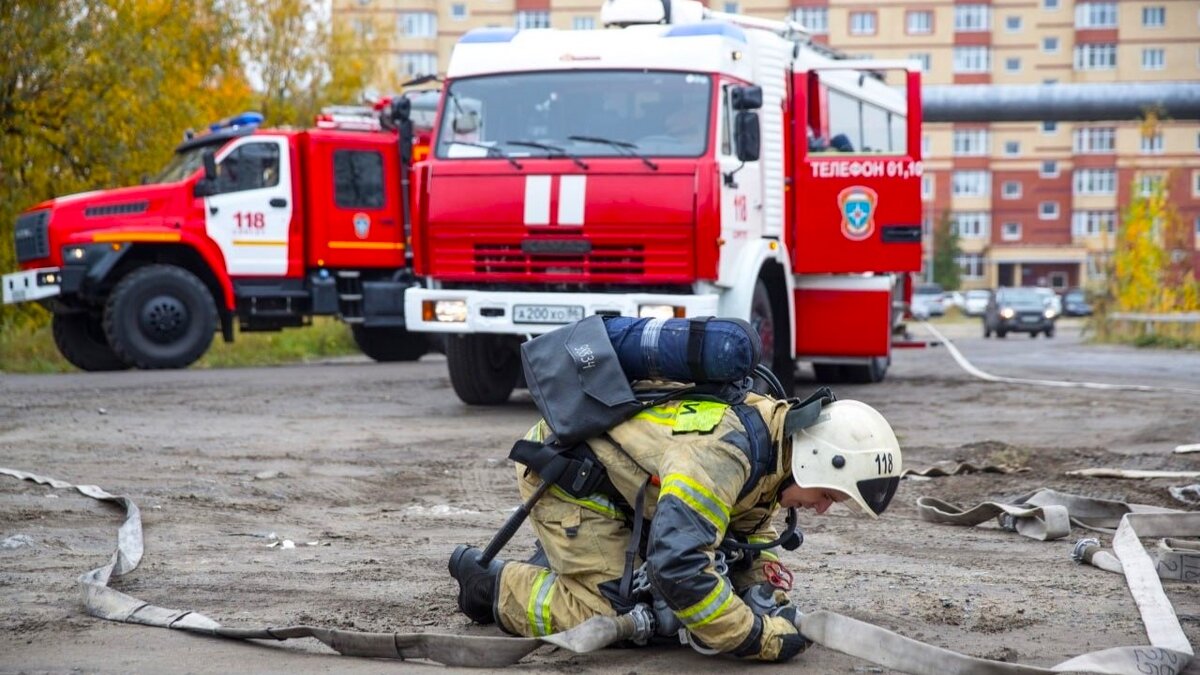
x=660, y=114
x=182, y=165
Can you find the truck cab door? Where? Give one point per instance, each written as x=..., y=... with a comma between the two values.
x=741, y=193
x=249, y=217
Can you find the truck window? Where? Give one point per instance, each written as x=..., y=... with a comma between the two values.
x=358, y=179
x=249, y=167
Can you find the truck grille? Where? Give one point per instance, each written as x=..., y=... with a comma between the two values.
x=32, y=235
x=602, y=262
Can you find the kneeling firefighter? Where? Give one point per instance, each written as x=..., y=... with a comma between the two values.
x=656, y=499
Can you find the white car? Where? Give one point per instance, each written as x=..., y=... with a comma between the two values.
x=928, y=300
x=975, y=302
x=1052, y=300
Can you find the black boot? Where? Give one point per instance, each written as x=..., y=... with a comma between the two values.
x=476, y=583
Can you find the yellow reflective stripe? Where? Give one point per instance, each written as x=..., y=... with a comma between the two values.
x=712, y=606
x=593, y=502
x=760, y=539
x=534, y=433
x=538, y=609
x=663, y=414
x=698, y=497
x=699, y=415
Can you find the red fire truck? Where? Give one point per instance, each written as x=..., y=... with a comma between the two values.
x=690, y=163
x=265, y=227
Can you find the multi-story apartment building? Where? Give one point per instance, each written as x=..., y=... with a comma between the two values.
x=1033, y=203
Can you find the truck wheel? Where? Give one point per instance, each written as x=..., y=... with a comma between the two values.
x=80, y=339
x=870, y=373
x=389, y=344
x=483, y=368
x=160, y=316
x=828, y=373
x=774, y=354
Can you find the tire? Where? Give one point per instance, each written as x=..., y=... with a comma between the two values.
x=1001, y=333
x=987, y=332
x=1033, y=335
x=483, y=368
x=870, y=373
x=1049, y=332
x=774, y=355
x=160, y=316
x=81, y=341
x=389, y=344
x=827, y=373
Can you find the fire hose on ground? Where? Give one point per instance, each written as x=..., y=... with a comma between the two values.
x=1042, y=515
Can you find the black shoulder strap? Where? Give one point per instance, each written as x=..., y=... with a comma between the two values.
x=761, y=452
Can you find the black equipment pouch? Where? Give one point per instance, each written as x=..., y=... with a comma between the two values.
x=575, y=470
x=577, y=381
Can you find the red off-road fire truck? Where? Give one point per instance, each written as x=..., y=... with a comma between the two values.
x=689, y=163
x=265, y=227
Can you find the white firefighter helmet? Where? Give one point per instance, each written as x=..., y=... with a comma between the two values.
x=850, y=448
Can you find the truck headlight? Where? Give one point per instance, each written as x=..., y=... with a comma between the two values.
x=74, y=253
x=1007, y=313
x=659, y=312
x=444, y=311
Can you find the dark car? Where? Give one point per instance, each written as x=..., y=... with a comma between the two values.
x=1075, y=303
x=1018, y=310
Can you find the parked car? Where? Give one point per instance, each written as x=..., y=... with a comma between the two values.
x=928, y=300
x=1053, y=302
x=953, y=299
x=975, y=302
x=1018, y=310
x=1075, y=303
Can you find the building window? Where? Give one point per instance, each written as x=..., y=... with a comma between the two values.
x=1011, y=189
x=1197, y=226
x=533, y=19
x=972, y=59
x=926, y=144
x=972, y=18
x=415, y=64
x=1012, y=24
x=815, y=19
x=1049, y=169
x=1049, y=4
x=1012, y=64
x=458, y=11
x=418, y=24
x=1049, y=127
x=1099, y=56
x=927, y=187
x=970, y=142
x=1095, y=140
x=970, y=266
x=1093, y=223
x=1154, y=17
x=971, y=183
x=973, y=224
x=731, y=8
x=1196, y=183
x=1152, y=144
x=1012, y=147
x=1011, y=232
x=919, y=22
x=923, y=59
x=1154, y=59
x=583, y=23
x=1050, y=45
x=363, y=28
x=1096, y=15
x=1095, y=182
x=862, y=23
x=1149, y=183
x=1048, y=210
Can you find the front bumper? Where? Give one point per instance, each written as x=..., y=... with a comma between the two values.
x=1021, y=325
x=31, y=285
x=495, y=311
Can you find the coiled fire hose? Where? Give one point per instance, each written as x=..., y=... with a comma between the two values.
x=1042, y=515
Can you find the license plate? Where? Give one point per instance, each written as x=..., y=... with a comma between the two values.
x=547, y=313
x=1029, y=319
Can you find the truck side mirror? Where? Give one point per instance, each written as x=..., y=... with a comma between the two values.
x=466, y=122
x=210, y=167
x=746, y=98
x=746, y=134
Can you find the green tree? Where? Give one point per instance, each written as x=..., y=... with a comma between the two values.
x=946, y=252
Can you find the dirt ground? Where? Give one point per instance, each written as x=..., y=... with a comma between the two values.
x=387, y=471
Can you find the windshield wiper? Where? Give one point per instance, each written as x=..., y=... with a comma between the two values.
x=493, y=151
x=628, y=147
x=548, y=149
